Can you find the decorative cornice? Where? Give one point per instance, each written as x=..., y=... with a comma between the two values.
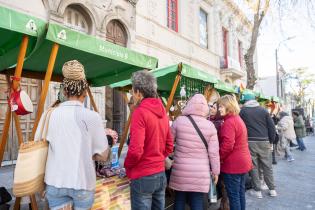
x=239, y=13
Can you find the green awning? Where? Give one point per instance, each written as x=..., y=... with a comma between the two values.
x=276, y=99
x=223, y=87
x=104, y=62
x=13, y=25
x=166, y=76
x=263, y=97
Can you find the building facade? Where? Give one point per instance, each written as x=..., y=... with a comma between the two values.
x=211, y=35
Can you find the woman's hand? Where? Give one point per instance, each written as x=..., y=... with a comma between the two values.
x=215, y=179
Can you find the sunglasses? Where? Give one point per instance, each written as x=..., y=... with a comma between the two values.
x=212, y=105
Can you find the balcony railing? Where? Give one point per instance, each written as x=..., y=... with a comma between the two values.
x=231, y=66
x=230, y=63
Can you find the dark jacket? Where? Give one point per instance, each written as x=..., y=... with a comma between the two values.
x=217, y=122
x=260, y=126
x=299, y=127
x=234, y=152
x=151, y=140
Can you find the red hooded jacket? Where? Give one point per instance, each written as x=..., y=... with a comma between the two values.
x=234, y=152
x=151, y=140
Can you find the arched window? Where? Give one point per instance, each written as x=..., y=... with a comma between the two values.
x=116, y=33
x=76, y=18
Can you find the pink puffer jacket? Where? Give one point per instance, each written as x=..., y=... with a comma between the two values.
x=191, y=168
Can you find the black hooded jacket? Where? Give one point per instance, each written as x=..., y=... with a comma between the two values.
x=260, y=126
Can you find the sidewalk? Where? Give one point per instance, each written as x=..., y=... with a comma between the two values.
x=295, y=183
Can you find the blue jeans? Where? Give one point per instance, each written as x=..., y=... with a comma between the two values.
x=148, y=192
x=235, y=187
x=196, y=200
x=300, y=143
x=60, y=197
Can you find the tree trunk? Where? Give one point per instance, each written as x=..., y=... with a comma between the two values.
x=249, y=56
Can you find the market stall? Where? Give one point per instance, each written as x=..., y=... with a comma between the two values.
x=44, y=47
x=177, y=82
x=225, y=88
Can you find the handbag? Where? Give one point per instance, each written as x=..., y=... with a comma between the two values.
x=31, y=164
x=212, y=195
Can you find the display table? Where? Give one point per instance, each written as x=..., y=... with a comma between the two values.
x=112, y=194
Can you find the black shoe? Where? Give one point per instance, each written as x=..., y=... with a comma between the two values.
x=293, y=145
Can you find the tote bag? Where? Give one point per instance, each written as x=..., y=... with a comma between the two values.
x=31, y=163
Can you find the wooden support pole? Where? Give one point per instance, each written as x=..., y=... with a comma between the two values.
x=20, y=61
x=16, y=119
x=18, y=128
x=5, y=133
x=92, y=101
x=33, y=202
x=17, y=74
x=124, y=136
x=50, y=68
x=171, y=97
x=17, y=204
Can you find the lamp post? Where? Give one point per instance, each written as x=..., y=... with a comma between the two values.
x=277, y=69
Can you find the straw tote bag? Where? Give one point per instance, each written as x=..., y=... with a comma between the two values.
x=31, y=163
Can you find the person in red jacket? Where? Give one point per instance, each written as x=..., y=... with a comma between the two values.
x=234, y=152
x=151, y=142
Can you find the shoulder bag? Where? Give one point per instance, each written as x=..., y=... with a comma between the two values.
x=212, y=195
x=31, y=163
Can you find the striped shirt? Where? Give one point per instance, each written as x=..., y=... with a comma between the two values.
x=74, y=134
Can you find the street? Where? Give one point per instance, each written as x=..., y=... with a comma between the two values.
x=294, y=183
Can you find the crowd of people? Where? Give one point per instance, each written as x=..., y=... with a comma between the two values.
x=208, y=145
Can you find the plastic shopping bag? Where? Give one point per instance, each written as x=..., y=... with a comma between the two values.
x=212, y=195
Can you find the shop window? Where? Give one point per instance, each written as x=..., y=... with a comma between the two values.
x=172, y=15
x=203, y=28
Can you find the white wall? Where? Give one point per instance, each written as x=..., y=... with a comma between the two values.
x=154, y=38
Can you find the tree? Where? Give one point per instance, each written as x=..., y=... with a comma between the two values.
x=301, y=81
x=260, y=9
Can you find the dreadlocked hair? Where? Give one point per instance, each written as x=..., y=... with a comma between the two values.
x=74, y=87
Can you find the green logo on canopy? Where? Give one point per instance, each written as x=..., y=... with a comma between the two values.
x=62, y=35
x=31, y=26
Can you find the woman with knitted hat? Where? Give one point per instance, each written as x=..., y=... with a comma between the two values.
x=76, y=138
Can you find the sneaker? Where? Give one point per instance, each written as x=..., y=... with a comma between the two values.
x=263, y=185
x=273, y=193
x=256, y=194
x=290, y=159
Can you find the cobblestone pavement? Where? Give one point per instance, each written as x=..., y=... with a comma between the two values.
x=294, y=181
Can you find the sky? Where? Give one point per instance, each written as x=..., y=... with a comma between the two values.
x=294, y=53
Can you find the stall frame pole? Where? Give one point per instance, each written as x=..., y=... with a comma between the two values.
x=49, y=71
x=172, y=94
x=15, y=85
x=50, y=67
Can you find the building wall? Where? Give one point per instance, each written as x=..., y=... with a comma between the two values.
x=153, y=37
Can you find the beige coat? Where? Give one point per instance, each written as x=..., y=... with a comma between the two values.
x=286, y=127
